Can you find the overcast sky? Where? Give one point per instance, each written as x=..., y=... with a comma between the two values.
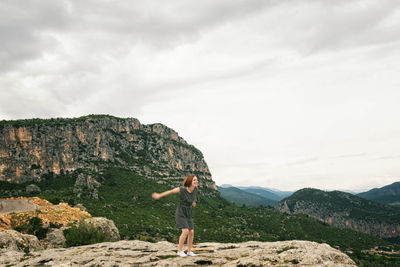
x=281, y=94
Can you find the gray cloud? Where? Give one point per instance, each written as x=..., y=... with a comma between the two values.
x=333, y=25
x=160, y=23
x=23, y=29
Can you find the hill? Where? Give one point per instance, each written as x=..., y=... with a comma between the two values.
x=266, y=192
x=387, y=194
x=345, y=210
x=241, y=197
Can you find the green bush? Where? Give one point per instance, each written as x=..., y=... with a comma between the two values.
x=34, y=226
x=83, y=234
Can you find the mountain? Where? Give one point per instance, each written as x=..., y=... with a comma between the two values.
x=345, y=210
x=387, y=194
x=241, y=197
x=32, y=148
x=272, y=194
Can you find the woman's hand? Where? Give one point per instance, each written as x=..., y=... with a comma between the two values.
x=156, y=196
x=194, y=204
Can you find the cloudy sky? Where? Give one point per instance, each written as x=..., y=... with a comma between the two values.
x=276, y=93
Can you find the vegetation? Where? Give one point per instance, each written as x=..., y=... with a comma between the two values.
x=34, y=226
x=50, y=122
x=83, y=234
x=336, y=201
x=125, y=197
x=387, y=194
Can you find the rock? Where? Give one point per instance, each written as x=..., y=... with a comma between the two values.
x=84, y=181
x=32, y=188
x=54, y=239
x=81, y=207
x=135, y=252
x=16, y=205
x=13, y=240
x=106, y=226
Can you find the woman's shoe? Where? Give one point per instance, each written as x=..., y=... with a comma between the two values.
x=181, y=254
x=191, y=254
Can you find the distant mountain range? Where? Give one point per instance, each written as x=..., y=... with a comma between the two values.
x=242, y=197
x=389, y=194
x=252, y=195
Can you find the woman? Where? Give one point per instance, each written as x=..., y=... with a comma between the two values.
x=184, y=212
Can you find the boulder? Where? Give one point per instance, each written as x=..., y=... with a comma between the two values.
x=81, y=207
x=13, y=240
x=54, y=239
x=86, y=182
x=106, y=226
x=32, y=188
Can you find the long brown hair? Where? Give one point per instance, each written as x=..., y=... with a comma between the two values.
x=188, y=180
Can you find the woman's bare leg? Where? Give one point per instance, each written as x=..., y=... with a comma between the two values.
x=182, y=238
x=190, y=240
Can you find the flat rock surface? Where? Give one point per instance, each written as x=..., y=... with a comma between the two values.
x=140, y=253
x=16, y=205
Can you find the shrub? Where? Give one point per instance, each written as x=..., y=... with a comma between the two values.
x=34, y=226
x=83, y=234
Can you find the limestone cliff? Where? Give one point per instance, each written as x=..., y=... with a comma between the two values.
x=31, y=148
x=344, y=210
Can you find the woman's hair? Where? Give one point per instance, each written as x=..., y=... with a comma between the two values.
x=188, y=180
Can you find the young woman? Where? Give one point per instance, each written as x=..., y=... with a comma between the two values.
x=184, y=211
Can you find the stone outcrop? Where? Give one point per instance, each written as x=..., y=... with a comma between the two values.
x=86, y=182
x=30, y=149
x=54, y=239
x=140, y=253
x=32, y=188
x=13, y=240
x=105, y=225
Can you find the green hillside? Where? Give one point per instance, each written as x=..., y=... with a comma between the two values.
x=241, y=197
x=387, y=194
x=337, y=201
x=266, y=193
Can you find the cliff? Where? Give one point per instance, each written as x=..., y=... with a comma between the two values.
x=140, y=253
x=344, y=210
x=30, y=149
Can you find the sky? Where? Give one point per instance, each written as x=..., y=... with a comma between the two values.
x=275, y=93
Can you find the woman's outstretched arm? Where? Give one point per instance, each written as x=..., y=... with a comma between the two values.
x=166, y=193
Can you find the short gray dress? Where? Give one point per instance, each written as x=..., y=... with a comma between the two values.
x=184, y=211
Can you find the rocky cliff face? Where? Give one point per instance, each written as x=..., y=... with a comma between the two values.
x=341, y=218
x=31, y=148
x=140, y=253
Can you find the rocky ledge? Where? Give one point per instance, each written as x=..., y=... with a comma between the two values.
x=140, y=253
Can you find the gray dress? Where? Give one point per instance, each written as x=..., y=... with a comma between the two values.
x=184, y=211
